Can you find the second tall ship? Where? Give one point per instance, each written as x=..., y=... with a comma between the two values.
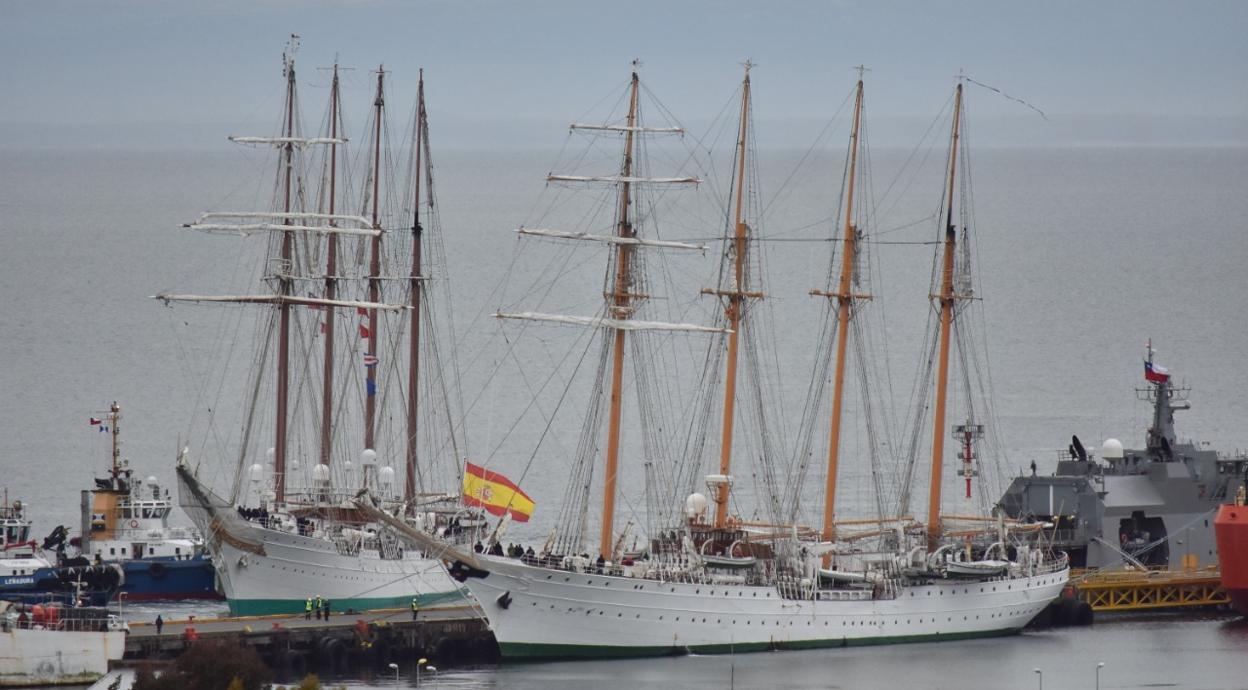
x=286, y=532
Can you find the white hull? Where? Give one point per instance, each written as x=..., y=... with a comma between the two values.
x=294, y=568
x=559, y=614
x=54, y=657
x=265, y=571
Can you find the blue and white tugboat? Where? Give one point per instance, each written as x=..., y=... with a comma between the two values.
x=127, y=523
x=28, y=575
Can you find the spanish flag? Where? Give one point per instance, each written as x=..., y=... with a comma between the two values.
x=496, y=493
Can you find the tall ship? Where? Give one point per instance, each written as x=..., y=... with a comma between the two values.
x=349, y=368
x=37, y=573
x=1149, y=507
x=707, y=578
x=125, y=521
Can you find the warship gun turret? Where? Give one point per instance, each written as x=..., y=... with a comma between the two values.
x=1152, y=507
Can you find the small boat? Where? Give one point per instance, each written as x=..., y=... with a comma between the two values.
x=986, y=568
x=128, y=524
x=46, y=645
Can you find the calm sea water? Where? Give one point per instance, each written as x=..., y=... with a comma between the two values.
x=1083, y=255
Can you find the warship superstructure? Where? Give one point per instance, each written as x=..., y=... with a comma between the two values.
x=1151, y=507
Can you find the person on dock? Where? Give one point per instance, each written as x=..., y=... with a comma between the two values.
x=415, y=608
x=307, y=609
x=327, y=609
x=160, y=623
x=320, y=604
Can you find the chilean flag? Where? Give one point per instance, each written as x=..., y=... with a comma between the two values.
x=95, y=422
x=1155, y=372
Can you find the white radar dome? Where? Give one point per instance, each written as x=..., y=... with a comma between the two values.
x=294, y=465
x=695, y=506
x=151, y=479
x=1111, y=449
x=368, y=457
x=387, y=475
x=320, y=473
x=270, y=454
x=256, y=472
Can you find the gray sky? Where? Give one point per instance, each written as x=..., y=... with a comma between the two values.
x=176, y=73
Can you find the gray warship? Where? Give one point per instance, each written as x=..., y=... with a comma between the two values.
x=1152, y=507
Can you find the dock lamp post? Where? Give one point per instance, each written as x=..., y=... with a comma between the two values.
x=395, y=668
x=420, y=662
x=1099, y=665
x=1039, y=678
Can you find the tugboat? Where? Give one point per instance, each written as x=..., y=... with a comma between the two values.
x=27, y=575
x=1151, y=508
x=128, y=524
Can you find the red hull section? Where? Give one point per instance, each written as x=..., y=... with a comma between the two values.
x=1231, y=529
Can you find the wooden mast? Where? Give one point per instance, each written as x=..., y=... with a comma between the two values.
x=736, y=299
x=331, y=271
x=946, y=298
x=374, y=265
x=413, y=365
x=285, y=290
x=845, y=304
x=620, y=309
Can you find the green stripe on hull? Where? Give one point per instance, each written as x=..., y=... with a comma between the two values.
x=269, y=607
x=517, y=651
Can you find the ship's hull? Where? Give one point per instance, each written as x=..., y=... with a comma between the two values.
x=163, y=579
x=540, y=613
x=54, y=657
x=295, y=568
x=100, y=583
x=266, y=571
x=1231, y=528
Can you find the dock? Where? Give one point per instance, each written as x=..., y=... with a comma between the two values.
x=1151, y=590
x=290, y=643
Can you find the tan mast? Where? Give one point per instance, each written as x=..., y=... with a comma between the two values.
x=845, y=303
x=620, y=309
x=331, y=271
x=374, y=266
x=736, y=300
x=413, y=365
x=946, y=298
x=285, y=287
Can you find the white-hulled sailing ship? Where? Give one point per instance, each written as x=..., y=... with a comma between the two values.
x=712, y=582
x=285, y=536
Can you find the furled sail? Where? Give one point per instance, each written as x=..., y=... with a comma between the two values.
x=301, y=142
x=617, y=179
x=280, y=299
x=610, y=239
x=617, y=324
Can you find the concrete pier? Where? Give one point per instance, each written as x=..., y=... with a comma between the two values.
x=291, y=644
